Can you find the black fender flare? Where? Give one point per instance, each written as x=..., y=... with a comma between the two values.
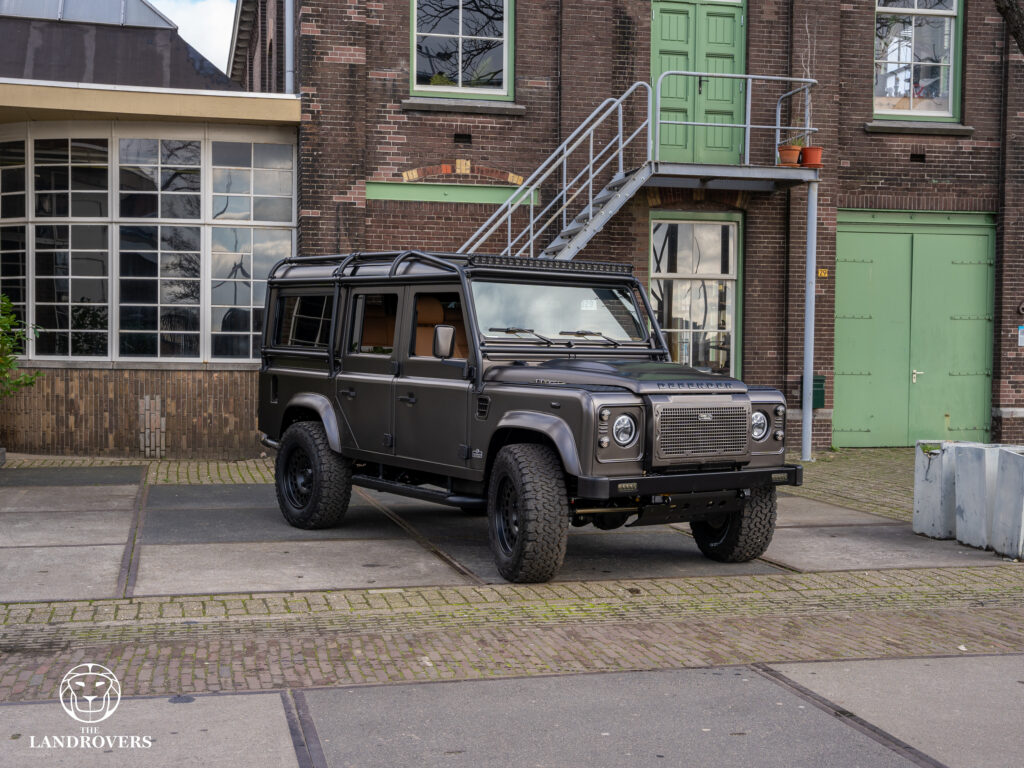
x=553, y=428
x=323, y=407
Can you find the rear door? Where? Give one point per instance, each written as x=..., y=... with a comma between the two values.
x=369, y=362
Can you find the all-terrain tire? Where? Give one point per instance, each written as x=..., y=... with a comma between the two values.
x=528, y=513
x=740, y=536
x=314, y=484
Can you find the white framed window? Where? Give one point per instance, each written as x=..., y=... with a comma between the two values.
x=462, y=47
x=694, y=290
x=916, y=57
x=124, y=250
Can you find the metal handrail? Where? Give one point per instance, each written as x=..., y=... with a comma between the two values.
x=600, y=158
x=806, y=83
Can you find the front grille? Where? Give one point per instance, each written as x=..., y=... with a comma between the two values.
x=702, y=431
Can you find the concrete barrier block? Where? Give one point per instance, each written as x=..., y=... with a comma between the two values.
x=976, y=467
x=935, y=490
x=1008, y=512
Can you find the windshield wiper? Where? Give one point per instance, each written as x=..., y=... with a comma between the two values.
x=582, y=333
x=532, y=332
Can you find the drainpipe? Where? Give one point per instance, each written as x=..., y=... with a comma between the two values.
x=289, y=46
x=809, y=288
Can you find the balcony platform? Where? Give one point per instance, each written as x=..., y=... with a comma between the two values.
x=748, y=178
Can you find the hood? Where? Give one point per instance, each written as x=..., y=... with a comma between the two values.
x=643, y=377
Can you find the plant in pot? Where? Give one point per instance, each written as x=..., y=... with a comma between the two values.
x=810, y=155
x=13, y=333
x=789, y=152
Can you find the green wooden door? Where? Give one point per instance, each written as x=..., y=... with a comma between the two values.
x=913, y=331
x=700, y=37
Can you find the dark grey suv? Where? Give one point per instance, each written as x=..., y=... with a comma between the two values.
x=539, y=391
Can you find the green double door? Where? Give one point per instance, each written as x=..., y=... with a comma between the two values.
x=700, y=37
x=913, y=330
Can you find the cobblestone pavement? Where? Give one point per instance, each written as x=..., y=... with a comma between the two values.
x=877, y=480
x=250, y=642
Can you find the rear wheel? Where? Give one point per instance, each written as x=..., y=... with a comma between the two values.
x=314, y=484
x=528, y=513
x=739, y=536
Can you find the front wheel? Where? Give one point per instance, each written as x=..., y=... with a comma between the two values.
x=739, y=536
x=528, y=513
x=314, y=484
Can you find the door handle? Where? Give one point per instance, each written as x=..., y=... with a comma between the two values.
x=410, y=398
x=349, y=393
x=916, y=374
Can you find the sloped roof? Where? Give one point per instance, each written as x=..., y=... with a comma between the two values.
x=125, y=13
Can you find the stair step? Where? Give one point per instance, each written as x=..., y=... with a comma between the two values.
x=604, y=196
x=574, y=227
x=556, y=245
x=618, y=182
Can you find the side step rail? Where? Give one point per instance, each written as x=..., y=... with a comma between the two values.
x=418, y=492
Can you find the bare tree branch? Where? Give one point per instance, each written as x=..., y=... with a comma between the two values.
x=1013, y=13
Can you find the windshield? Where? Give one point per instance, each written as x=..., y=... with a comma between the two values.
x=550, y=314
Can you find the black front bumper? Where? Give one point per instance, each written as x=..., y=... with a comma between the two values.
x=695, y=482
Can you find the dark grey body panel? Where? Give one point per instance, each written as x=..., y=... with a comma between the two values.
x=420, y=423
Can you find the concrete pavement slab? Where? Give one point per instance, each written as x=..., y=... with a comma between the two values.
x=59, y=573
x=196, y=526
x=171, y=569
x=798, y=511
x=222, y=731
x=54, y=476
x=669, y=718
x=961, y=711
x=211, y=496
x=40, y=529
x=69, y=498
x=856, y=547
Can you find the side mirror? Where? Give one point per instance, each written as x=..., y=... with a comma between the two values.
x=444, y=341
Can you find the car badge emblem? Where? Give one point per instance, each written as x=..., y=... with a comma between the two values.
x=705, y=416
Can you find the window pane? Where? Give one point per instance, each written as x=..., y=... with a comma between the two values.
x=12, y=180
x=138, y=318
x=179, y=238
x=179, y=265
x=138, y=265
x=52, y=291
x=306, y=320
x=231, y=180
x=933, y=36
x=88, y=178
x=89, y=291
x=936, y=5
x=931, y=88
x=892, y=86
x=269, y=247
x=51, y=177
x=483, y=18
x=139, y=291
x=271, y=183
x=179, y=291
x=12, y=153
x=52, y=317
x=138, y=178
x=139, y=238
x=179, y=152
x=89, y=318
x=272, y=209
x=51, y=151
x=230, y=207
x=89, y=204
x=440, y=16
x=230, y=345
x=139, y=151
x=88, y=150
x=437, y=61
x=179, y=206
x=272, y=156
x=179, y=319
x=895, y=3
x=52, y=204
x=138, y=206
x=138, y=344
x=232, y=153
x=893, y=38
x=55, y=237
x=230, y=266
x=12, y=207
x=482, y=63
x=89, y=264
x=52, y=344
x=233, y=239
x=179, y=180
x=712, y=350
x=230, y=319
x=179, y=345
x=93, y=237
x=231, y=292
x=54, y=263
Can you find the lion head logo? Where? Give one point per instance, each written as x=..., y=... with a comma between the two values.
x=90, y=693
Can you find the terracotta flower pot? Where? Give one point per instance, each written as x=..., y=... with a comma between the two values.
x=789, y=154
x=811, y=156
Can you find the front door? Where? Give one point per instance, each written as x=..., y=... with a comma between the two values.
x=431, y=403
x=700, y=36
x=913, y=334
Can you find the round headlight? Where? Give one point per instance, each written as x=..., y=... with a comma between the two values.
x=624, y=430
x=759, y=425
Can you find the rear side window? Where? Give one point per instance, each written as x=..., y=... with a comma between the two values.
x=373, y=324
x=305, y=321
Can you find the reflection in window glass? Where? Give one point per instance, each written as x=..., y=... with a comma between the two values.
x=693, y=291
x=72, y=290
x=159, y=178
x=70, y=177
x=252, y=181
x=373, y=324
x=914, y=59
x=13, y=268
x=460, y=44
x=12, y=179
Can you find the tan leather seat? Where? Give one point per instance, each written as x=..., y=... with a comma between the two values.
x=378, y=328
x=453, y=317
x=429, y=313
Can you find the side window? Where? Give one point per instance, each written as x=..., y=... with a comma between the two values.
x=373, y=324
x=305, y=321
x=438, y=309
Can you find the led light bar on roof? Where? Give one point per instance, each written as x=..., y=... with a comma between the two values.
x=551, y=265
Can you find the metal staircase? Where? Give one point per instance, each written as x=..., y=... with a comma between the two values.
x=613, y=154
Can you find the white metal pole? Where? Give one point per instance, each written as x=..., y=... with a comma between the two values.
x=289, y=46
x=809, y=288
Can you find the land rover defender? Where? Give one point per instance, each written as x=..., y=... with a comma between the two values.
x=539, y=391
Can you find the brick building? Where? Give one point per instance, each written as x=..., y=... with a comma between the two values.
x=419, y=118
